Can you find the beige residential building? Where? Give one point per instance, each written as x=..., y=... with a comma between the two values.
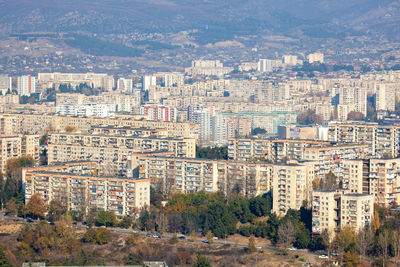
x=172, y=174
x=91, y=79
x=10, y=147
x=382, y=140
x=291, y=186
x=356, y=210
x=113, y=152
x=42, y=123
x=325, y=211
x=384, y=181
x=332, y=210
x=13, y=146
x=79, y=188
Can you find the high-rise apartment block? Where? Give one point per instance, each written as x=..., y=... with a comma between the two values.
x=385, y=97
x=291, y=186
x=5, y=84
x=264, y=65
x=125, y=85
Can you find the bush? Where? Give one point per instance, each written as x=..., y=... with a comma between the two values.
x=106, y=218
x=99, y=236
x=90, y=236
x=102, y=236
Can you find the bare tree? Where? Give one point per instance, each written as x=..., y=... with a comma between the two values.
x=286, y=234
x=383, y=244
x=396, y=244
x=161, y=222
x=364, y=241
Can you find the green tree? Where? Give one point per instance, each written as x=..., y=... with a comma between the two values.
x=131, y=259
x=201, y=261
x=102, y=236
x=90, y=236
x=106, y=218
x=125, y=222
x=4, y=261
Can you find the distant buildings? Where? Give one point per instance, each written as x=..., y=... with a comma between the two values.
x=208, y=68
x=315, y=57
x=26, y=85
x=264, y=65
x=48, y=80
x=125, y=85
x=149, y=81
x=5, y=84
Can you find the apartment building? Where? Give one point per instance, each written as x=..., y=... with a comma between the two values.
x=43, y=123
x=384, y=180
x=91, y=79
x=192, y=175
x=332, y=210
x=383, y=140
x=207, y=67
x=78, y=186
x=356, y=210
x=13, y=146
x=113, y=152
x=291, y=186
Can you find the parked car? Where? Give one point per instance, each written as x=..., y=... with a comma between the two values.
x=323, y=257
x=292, y=249
x=205, y=241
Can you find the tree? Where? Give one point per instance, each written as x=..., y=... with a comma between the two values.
x=201, y=261
x=90, y=236
x=125, y=222
x=330, y=182
x=365, y=241
x=36, y=207
x=69, y=128
x=131, y=260
x=351, y=259
x=252, y=245
x=102, y=236
x=345, y=240
x=326, y=240
x=11, y=207
x=56, y=209
x=209, y=237
x=383, y=244
x=395, y=244
x=106, y=218
x=286, y=234
x=4, y=261
x=355, y=116
x=258, y=130
x=308, y=117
